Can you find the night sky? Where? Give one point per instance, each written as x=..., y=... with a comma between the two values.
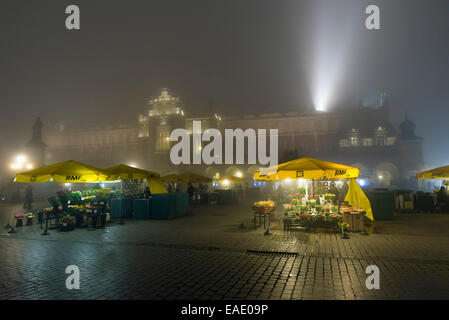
x=239, y=55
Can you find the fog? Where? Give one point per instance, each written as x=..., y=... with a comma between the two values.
x=239, y=56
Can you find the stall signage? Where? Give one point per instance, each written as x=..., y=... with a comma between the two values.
x=73, y=178
x=340, y=172
x=299, y=173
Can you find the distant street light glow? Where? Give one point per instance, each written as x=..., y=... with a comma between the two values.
x=20, y=162
x=21, y=159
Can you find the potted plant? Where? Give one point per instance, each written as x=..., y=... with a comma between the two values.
x=344, y=227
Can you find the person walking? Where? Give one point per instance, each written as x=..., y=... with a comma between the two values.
x=28, y=205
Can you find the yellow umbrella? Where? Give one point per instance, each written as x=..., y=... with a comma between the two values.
x=63, y=172
x=357, y=198
x=306, y=168
x=186, y=177
x=437, y=173
x=124, y=172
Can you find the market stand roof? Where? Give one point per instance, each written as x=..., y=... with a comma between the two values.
x=437, y=173
x=306, y=168
x=63, y=172
x=125, y=172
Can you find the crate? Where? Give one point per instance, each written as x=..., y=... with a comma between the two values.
x=355, y=220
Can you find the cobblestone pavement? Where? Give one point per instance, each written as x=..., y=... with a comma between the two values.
x=210, y=256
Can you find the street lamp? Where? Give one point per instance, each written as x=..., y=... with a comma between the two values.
x=20, y=162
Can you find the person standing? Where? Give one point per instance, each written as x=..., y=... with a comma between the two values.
x=28, y=205
x=147, y=192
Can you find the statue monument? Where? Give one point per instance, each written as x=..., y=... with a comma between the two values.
x=36, y=147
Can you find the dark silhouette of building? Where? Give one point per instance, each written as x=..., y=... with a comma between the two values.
x=362, y=136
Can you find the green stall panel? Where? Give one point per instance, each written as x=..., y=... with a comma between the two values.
x=142, y=209
x=382, y=203
x=122, y=208
x=160, y=207
x=182, y=204
x=172, y=204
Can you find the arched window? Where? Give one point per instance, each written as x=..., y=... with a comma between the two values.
x=380, y=136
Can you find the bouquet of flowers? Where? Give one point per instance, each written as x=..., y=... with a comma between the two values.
x=295, y=201
x=263, y=206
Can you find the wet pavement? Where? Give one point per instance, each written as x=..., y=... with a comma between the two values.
x=217, y=253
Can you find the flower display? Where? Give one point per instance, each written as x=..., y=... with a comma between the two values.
x=264, y=204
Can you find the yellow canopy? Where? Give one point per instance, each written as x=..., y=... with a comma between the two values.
x=124, y=172
x=62, y=172
x=156, y=186
x=186, y=177
x=306, y=168
x=230, y=179
x=357, y=198
x=437, y=173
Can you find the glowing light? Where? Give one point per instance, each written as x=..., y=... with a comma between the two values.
x=288, y=181
x=133, y=165
x=29, y=166
x=332, y=35
x=20, y=159
x=67, y=184
x=226, y=182
x=361, y=182
x=380, y=177
x=239, y=174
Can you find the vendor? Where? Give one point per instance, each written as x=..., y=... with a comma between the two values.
x=147, y=192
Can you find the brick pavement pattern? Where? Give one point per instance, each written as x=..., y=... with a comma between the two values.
x=209, y=256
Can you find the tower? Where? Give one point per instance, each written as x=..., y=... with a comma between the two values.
x=410, y=149
x=36, y=147
x=165, y=113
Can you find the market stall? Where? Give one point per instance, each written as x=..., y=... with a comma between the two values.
x=228, y=189
x=314, y=191
x=133, y=202
x=201, y=193
x=425, y=201
x=64, y=205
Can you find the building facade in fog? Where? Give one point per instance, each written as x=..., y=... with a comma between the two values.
x=363, y=137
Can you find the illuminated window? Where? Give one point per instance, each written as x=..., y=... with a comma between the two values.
x=354, y=137
x=163, y=141
x=380, y=136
